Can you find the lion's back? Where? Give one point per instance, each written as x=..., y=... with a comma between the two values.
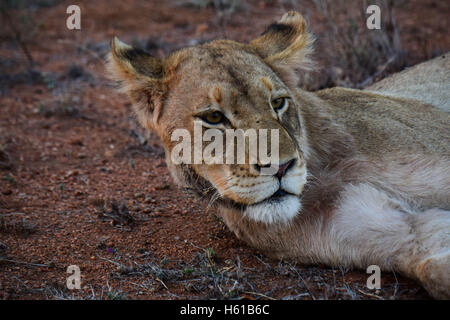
x=428, y=82
x=382, y=124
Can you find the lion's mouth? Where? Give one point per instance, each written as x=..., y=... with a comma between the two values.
x=280, y=207
x=277, y=196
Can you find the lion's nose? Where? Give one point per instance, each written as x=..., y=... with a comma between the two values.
x=282, y=169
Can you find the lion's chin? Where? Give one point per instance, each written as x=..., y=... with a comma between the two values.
x=274, y=211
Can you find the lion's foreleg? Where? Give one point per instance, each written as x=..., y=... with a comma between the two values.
x=369, y=227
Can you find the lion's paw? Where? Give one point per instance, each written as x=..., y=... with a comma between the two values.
x=434, y=274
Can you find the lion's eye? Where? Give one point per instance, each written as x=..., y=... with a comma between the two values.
x=279, y=103
x=214, y=117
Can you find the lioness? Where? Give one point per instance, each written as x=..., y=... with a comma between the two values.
x=363, y=178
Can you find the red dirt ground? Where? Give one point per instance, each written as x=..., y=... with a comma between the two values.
x=68, y=145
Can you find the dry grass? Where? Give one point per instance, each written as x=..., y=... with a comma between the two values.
x=202, y=276
x=355, y=56
x=205, y=277
x=15, y=223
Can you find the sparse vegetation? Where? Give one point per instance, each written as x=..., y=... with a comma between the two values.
x=18, y=225
x=9, y=178
x=355, y=56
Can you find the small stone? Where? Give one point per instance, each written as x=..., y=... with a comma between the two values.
x=147, y=210
x=163, y=187
x=148, y=199
x=72, y=173
x=109, y=153
x=77, y=141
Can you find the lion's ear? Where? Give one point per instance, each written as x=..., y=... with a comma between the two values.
x=141, y=76
x=286, y=46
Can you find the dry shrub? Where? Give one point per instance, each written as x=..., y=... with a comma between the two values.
x=17, y=226
x=353, y=55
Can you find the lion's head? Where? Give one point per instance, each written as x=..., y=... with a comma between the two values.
x=228, y=85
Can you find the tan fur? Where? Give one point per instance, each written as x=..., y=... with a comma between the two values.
x=371, y=180
x=426, y=82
